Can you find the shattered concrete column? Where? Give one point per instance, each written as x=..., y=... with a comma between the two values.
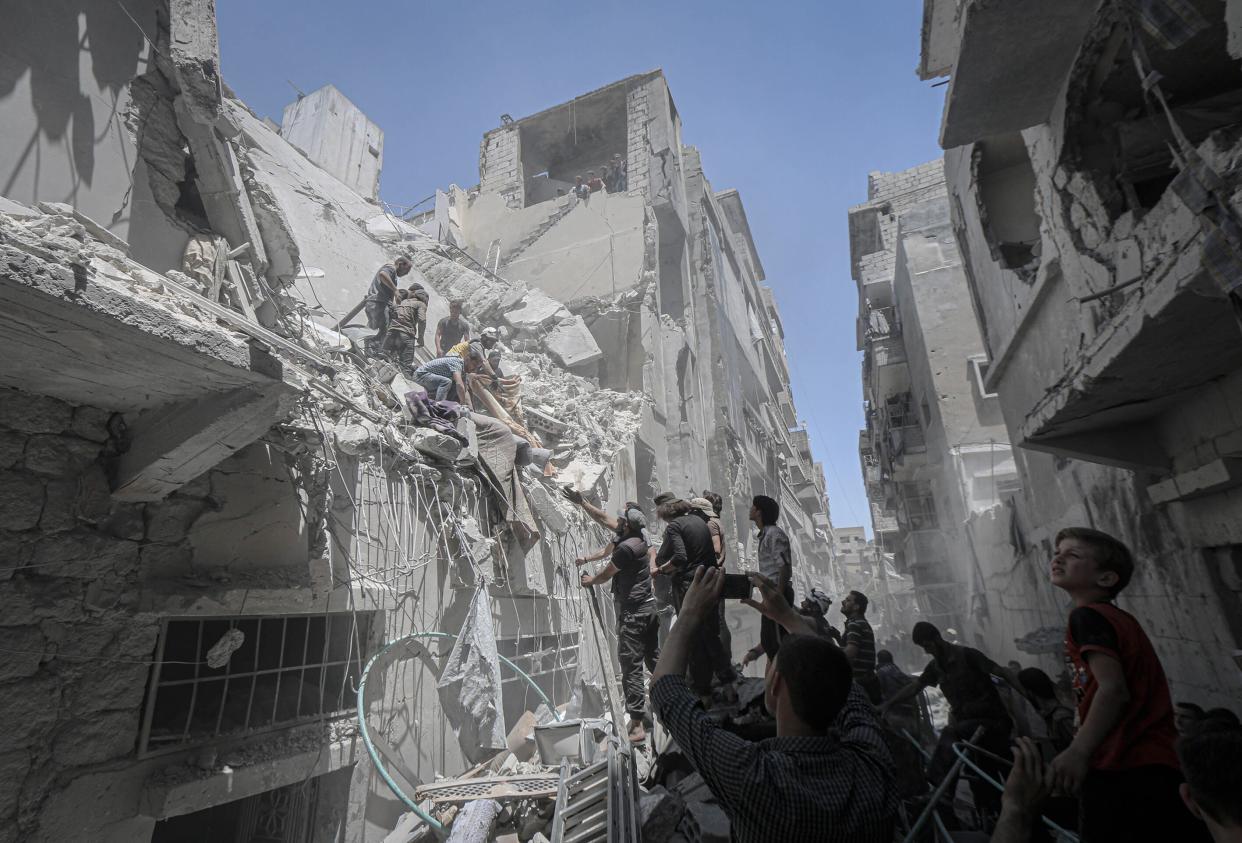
x=196, y=68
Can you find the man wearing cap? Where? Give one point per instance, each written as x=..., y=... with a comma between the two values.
x=379, y=300
x=687, y=545
x=637, y=627
x=477, y=350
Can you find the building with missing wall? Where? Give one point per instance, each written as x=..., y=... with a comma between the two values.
x=1090, y=223
x=214, y=517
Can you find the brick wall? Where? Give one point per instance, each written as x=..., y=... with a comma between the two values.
x=500, y=166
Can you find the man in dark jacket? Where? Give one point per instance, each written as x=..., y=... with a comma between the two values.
x=687, y=546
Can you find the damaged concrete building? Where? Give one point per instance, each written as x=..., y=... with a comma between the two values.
x=656, y=288
x=934, y=454
x=227, y=536
x=1088, y=217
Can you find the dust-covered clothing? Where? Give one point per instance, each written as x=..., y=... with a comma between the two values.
x=452, y=331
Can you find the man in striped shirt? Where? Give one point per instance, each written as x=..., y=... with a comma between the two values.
x=860, y=644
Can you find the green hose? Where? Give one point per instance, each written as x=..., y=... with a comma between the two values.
x=366, y=735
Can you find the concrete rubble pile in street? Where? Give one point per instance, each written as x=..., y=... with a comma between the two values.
x=217, y=512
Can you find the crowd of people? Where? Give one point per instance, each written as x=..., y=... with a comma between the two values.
x=1125, y=766
x=613, y=179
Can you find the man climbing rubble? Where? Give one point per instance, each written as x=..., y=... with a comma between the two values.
x=826, y=776
x=379, y=301
x=443, y=378
x=965, y=676
x=452, y=329
x=405, y=334
x=637, y=626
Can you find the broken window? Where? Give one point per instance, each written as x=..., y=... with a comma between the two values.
x=1121, y=140
x=283, y=670
x=918, y=504
x=1006, y=195
x=571, y=140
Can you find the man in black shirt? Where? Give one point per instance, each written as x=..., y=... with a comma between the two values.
x=964, y=675
x=379, y=300
x=637, y=625
x=687, y=546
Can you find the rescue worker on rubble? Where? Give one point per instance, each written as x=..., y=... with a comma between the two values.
x=452, y=329
x=637, y=626
x=379, y=301
x=482, y=352
x=445, y=374
x=405, y=333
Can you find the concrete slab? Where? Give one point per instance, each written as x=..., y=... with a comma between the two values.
x=1011, y=64
x=571, y=344
x=535, y=312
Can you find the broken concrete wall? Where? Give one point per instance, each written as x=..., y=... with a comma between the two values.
x=74, y=118
x=1113, y=350
x=86, y=583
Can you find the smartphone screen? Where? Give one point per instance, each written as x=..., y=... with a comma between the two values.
x=736, y=587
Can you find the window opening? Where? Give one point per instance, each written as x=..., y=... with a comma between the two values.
x=1121, y=141
x=289, y=669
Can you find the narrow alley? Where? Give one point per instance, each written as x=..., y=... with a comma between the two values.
x=495, y=516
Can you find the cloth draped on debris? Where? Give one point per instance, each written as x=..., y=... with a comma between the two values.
x=497, y=452
x=1170, y=23
x=440, y=416
x=507, y=407
x=1203, y=190
x=469, y=686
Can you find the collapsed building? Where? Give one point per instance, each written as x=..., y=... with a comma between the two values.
x=250, y=587
x=1090, y=177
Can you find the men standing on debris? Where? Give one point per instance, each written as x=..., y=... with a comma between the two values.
x=860, y=643
x=686, y=547
x=452, y=329
x=826, y=776
x=637, y=626
x=379, y=300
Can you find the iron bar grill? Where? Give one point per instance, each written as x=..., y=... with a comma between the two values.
x=288, y=670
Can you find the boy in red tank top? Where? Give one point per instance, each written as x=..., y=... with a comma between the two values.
x=1121, y=764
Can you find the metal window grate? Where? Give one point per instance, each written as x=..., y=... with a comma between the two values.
x=289, y=669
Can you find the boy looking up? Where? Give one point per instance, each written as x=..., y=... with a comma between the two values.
x=1122, y=762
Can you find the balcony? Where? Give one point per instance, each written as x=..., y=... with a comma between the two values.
x=906, y=441
x=924, y=549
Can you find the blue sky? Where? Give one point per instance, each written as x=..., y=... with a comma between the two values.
x=790, y=103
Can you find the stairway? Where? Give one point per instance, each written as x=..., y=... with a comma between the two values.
x=543, y=228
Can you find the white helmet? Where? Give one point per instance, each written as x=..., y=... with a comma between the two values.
x=490, y=332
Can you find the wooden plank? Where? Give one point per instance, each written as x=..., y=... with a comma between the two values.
x=242, y=290
x=217, y=269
